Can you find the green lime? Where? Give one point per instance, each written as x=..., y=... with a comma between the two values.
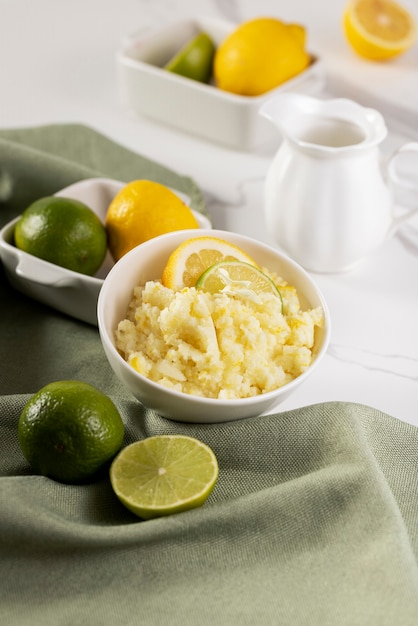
x=68, y=430
x=237, y=278
x=195, y=59
x=164, y=474
x=63, y=231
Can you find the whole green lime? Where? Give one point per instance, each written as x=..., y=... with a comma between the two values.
x=69, y=430
x=63, y=231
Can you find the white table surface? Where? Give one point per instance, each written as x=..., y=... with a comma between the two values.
x=58, y=65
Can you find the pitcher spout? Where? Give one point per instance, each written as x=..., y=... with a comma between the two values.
x=300, y=118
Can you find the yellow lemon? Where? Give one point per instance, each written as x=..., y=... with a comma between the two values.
x=260, y=55
x=298, y=32
x=378, y=29
x=194, y=256
x=144, y=209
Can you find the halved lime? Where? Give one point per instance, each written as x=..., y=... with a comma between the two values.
x=195, y=59
x=237, y=278
x=164, y=474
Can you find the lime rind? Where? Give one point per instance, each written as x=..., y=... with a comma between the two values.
x=194, y=60
x=62, y=231
x=69, y=430
x=226, y=277
x=195, y=255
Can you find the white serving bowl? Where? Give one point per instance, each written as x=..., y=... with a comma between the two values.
x=199, y=109
x=67, y=291
x=146, y=262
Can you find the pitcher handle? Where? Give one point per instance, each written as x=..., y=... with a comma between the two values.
x=396, y=179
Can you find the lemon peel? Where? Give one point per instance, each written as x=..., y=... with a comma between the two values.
x=142, y=210
x=259, y=55
x=237, y=278
x=193, y=257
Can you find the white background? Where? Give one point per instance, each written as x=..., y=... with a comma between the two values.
x=58, y=64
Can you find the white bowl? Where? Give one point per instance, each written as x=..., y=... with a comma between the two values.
x=67, y=291
x=189, y=105
x=146, y=262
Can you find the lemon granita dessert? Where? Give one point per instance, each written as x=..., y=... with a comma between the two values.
x=240, y=331
x=217, y=345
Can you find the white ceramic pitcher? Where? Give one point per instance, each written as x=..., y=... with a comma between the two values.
x=327, y=202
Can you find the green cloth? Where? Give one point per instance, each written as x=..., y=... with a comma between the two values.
x=38, y=343
x=36, y=162
x=313, y=520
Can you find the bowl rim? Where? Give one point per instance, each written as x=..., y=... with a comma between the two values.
x=233, y=402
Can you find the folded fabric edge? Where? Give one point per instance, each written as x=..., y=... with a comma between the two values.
x=91, y=154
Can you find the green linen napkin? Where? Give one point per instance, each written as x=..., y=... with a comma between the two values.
x=313, y=521
x=36, y=162
x=314, y=517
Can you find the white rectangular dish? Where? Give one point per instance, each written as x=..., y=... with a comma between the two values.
x=190, y=106
x=60, y=288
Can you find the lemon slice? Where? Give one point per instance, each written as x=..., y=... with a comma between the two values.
x=378, y=29
x=195, y=59
x=194, y=256
x=164, y=474
x=236, y=278
x=298, y=32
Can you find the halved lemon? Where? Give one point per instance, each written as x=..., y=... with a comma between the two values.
x=236, y=278
x=378, y=29
x=164, y=474
x=194, y=256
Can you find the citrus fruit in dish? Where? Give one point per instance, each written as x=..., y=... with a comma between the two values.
x=68, y=430
x=142, y=210
x=63, y=231
x=195, y=59
x=378, y=29
x=194, y=256
x=260, y=55
x=298, y=32
x=237, y=279
x=164, y=474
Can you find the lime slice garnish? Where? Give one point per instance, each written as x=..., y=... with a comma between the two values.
x=236, y=278
x=164, y=474
x=195, y=59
